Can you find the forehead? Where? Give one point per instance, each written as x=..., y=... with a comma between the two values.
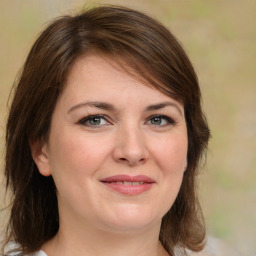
x=128, y=65
x=102, y=78
x=96, y=63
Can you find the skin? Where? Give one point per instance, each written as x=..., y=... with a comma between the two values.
x=140, y=132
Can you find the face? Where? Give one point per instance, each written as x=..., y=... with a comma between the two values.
x=117, y=149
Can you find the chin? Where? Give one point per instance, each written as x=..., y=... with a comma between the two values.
x=134, y=220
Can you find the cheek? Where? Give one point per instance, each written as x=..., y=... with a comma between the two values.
x=171, y=155
x=74, y=162
x=171, y=158
x=76, y=154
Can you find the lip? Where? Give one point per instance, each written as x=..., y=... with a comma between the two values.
x=129, y=185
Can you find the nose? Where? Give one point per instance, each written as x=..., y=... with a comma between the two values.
x=130, y=147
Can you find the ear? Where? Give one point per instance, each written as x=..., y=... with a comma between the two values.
x=40, y=156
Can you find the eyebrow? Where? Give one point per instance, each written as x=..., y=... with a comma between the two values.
x=163, y=105
x=95, y=104
x=112, y=108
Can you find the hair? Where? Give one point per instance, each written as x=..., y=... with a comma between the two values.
x=155, y=55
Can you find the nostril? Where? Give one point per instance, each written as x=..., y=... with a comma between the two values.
x=128, y=153
x=131, y=162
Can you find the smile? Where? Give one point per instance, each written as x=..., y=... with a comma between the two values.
x=129, y=185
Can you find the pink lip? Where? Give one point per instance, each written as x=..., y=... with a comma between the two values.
x=119, y=184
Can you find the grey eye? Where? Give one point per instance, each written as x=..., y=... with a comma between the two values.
x=157, y=120
x=160, y=120
x=96, y=120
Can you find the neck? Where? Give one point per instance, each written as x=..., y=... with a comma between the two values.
x=88, y=242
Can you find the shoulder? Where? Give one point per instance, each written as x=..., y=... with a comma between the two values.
x=214, y=247
x=12, y=249
x=39, y=253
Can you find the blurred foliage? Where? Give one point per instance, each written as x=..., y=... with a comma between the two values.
x=219, y=36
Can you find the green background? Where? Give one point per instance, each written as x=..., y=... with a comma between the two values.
x=219, y=36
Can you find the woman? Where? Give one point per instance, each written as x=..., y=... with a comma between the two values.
x=104, y=140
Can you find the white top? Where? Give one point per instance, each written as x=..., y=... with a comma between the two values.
x=13, y=245
x=39, y=253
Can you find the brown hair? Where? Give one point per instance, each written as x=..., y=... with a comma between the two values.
x=155, y=55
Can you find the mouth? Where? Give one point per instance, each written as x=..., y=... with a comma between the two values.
x=129, y=185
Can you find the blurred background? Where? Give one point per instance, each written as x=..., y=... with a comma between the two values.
x=220, y=38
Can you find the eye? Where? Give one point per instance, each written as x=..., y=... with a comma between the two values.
x=160, y=120
x=95, y=120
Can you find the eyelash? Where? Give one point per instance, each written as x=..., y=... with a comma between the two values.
x=169, y=120
x=90, y=118
x=83, y=121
